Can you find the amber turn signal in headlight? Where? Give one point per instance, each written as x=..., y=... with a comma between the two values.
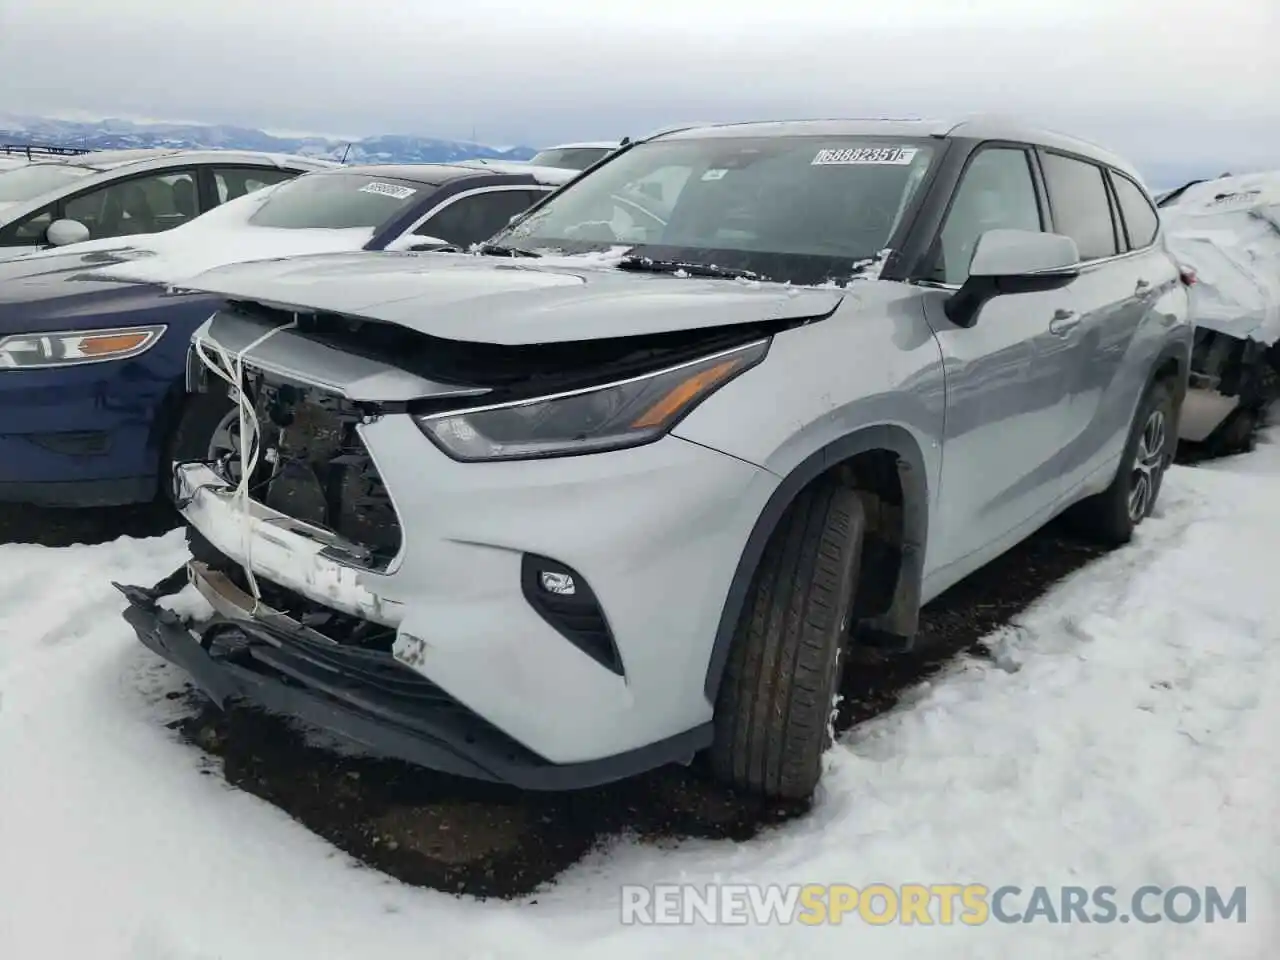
x=28, y=351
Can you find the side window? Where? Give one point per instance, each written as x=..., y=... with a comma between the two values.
x=233, y=182
x=149, y=204
x=477, y=217
x=1141, y=221
x=1081, y=209
x=996, y=192
x=29, y=231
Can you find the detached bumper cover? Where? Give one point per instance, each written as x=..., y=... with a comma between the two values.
x=363, y=696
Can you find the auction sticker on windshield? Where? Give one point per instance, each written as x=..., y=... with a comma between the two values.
x=394, y=190
x=849, y=155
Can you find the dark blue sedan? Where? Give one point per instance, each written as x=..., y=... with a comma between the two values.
x=93, y=342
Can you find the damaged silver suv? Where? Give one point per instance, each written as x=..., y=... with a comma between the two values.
x=618, y=488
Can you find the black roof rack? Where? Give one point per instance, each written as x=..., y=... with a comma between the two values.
x=33, y=150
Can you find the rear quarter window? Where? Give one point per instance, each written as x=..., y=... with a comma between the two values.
x=1140, y=218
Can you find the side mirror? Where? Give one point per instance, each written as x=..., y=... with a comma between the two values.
x=62, y=233
x=1013, y=261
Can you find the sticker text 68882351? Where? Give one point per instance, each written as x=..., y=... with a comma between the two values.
x=864, y=155
x=394, y=190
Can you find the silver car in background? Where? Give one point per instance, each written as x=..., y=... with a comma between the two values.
x=620, y=488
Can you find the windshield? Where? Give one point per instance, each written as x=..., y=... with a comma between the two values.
x=27, y=183
x=796, y=209
x=336, y=201
x=570, y=158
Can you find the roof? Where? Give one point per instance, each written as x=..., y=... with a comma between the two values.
x=438, y=173
x=976, y=128
x=590, y=145
x=112, y=159
x=540, y=173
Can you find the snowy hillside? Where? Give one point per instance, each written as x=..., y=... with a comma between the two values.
x=125, y=134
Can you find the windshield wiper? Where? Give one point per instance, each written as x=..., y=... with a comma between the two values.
x=649, y=265
x=497, y=250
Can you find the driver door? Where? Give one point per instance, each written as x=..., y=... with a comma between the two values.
x=1008, y=377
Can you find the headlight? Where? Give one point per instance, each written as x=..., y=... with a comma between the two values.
x=29, y=351
x=609, y=417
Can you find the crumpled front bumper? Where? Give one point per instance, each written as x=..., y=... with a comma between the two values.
x=270, y=661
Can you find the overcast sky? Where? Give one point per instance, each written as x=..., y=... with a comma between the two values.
x=1190, y=81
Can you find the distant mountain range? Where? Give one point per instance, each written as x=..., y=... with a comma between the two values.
x=1160, y=174
x=126, y=134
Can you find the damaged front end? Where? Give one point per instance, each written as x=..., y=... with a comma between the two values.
x=297, y=554
x=1227, y=233
x=1234, y=381
x=257, y=654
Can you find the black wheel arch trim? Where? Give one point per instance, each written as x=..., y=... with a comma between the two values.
x=915, y=514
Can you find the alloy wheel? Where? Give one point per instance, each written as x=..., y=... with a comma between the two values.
x=1148, y=464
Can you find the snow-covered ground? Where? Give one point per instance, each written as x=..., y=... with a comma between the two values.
x=1126, y=735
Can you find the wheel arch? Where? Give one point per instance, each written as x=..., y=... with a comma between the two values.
x=885, y=440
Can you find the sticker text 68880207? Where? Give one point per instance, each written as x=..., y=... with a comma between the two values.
x=855, y=155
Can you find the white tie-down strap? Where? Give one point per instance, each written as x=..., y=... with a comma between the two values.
x=231, y=369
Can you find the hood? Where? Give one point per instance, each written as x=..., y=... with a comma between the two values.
x=60, y=274
x=510, y=302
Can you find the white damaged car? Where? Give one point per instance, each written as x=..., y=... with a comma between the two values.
x=1227, y=232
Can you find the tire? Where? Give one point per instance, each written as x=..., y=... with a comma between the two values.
x=1111, y=516
x=199, y=420
x=773, y=711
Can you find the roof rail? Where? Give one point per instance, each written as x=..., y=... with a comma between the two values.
x=33, y=150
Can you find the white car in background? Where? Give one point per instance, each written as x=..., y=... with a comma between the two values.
x=1227, y=232
x=55, y=201
x=575, y=156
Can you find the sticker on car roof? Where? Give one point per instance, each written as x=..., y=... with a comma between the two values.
x=859, y=155
x=393, y=190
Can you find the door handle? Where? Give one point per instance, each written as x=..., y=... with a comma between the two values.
x=1063, y=322
x=1142, y=289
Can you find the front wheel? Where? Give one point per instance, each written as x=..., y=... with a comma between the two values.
x=773, y=710
x=1112, y=516
x=208, y=428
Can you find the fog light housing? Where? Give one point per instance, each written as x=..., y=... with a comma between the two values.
x=564, y=599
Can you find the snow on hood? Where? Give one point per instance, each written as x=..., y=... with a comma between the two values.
x=512, y=301
x=221, y=236
x=215, y=248
x=1228, y=232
